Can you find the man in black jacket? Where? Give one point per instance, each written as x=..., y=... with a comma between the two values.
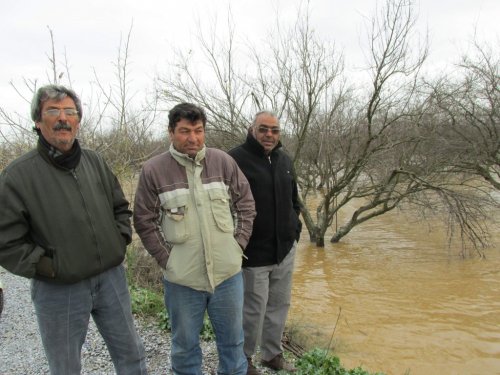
x=268, y=269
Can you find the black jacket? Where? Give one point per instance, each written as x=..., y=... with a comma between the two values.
x=274, y=189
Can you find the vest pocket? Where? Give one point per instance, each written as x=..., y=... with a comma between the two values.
x=173, y=222
x=221, y=211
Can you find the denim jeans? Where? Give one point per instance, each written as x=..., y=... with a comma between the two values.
x=186, y=308
x=63, y=312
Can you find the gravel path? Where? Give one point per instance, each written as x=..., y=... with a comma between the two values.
x=21, y=351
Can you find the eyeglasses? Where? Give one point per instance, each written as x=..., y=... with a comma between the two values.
x=56, y=112
x=264, y=129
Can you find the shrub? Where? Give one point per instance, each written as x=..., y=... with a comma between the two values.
x=319, y=362
x=146, y=302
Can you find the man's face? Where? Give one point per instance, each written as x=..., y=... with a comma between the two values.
x=59, y=129
x=188, y=137
x=266, y=131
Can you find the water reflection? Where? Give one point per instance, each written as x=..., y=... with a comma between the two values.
x=408, y=302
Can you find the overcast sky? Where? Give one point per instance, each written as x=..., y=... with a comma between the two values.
x=90, y=31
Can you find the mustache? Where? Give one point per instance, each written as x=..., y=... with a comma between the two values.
x=62, y=126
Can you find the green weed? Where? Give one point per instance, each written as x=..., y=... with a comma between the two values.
x=319, y=362
x=146, y=302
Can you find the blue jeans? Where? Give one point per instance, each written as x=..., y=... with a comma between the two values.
x=186, y=308
x=63, y=312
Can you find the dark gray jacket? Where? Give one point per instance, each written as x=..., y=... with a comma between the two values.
x=61, y=225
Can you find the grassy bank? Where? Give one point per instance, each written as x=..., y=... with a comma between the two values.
x=144, y=277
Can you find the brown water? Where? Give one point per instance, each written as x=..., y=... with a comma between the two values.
x=408, y=303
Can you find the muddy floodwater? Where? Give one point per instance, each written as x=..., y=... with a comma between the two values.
x=398, y=299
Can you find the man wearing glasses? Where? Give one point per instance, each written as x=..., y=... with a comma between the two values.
x=270, y=253
x=65, y=224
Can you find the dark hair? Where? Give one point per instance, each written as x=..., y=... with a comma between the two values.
x=186, y=111
x=52, y=92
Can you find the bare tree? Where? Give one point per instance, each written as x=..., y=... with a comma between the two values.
x=369, y=152
x=16, y=129
x=301, y=80
x=380, y=131
x=468, y=113
x=110, y=122
x=218, y=88
x=114, y=125
x=372, y=157
x=336, y=140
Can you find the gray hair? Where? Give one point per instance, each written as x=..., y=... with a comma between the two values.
x=269, y=113
x=52, y=92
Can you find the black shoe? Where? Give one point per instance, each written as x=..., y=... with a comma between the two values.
x=279, y=363
x=251, y=370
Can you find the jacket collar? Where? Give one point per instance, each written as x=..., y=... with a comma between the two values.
x=255, y=147
x=56, y=157
x=184, y=159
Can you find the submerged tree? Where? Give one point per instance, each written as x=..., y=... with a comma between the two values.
x=366, y=151
x=303, y=82
x=382, y=142
x=399, y=163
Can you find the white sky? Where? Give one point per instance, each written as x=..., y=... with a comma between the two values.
x=90, y=31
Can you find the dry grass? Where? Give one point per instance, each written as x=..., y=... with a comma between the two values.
x=142, y=269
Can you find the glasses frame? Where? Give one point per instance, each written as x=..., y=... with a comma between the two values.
x=263, y=129
x=56, y=112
